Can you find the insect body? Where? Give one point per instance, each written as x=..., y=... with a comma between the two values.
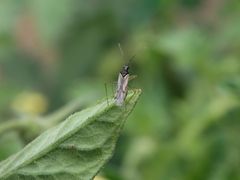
x=122, y=86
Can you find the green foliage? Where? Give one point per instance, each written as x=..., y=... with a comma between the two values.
x=10, y=143
x=76, y=148
x=186, y=125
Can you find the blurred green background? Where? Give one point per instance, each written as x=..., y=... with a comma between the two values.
x=56, y=56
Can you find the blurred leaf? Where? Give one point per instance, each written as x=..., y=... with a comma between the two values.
x=52, y=16
x=8, y=14
x=75, y=149
x=10, y=143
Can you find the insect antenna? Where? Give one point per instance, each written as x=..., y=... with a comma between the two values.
x=131, y=59
x=121, y=51
x=123, y=55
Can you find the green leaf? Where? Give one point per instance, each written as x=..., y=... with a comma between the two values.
x=76, y=148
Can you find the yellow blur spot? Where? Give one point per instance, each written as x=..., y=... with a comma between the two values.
x=30, y=103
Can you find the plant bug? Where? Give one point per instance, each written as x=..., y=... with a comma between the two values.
x=122, y=86
x=122, y=83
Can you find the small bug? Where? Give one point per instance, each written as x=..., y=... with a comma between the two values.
x=122, y=85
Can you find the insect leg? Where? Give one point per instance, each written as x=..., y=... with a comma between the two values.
x=105, y=84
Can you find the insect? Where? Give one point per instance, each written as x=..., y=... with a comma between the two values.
x=122, y=83
x=122, y=86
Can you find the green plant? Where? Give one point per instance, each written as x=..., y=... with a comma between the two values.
x=77, y=148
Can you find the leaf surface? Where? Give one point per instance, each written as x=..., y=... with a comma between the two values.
x=76, y=148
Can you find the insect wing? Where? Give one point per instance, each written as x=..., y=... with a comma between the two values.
x=120, y=82
x=121, y=89
x=125, y=83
